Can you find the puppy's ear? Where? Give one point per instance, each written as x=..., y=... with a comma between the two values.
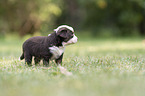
x=62, y=33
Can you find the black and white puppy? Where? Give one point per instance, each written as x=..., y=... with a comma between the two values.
x=49, y=47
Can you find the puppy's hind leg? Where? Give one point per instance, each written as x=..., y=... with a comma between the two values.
x=37, y=60
x=28, y=59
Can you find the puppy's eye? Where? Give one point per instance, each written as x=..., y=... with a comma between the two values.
x=71, y=33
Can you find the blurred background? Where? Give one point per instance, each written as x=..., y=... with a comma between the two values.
x=108, y=59
x=95, y=18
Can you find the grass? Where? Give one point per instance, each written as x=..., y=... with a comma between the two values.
x=100, y=67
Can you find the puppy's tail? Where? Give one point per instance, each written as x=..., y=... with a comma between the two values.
x=22, y=56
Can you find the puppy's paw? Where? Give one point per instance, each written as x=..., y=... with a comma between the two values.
x=64, y=71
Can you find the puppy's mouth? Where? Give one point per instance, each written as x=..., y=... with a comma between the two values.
x=71, y=41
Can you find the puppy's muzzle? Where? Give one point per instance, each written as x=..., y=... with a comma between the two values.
x=74, y=39
x=71, y=41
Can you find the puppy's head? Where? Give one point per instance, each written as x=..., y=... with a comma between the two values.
x=67, y=33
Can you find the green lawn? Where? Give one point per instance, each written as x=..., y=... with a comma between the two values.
x=100, y=67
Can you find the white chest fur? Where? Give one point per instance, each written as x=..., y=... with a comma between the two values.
x=56, y=52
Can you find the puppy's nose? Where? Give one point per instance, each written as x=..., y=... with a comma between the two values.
x=75, y=39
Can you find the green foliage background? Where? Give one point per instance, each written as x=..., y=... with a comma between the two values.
x=100, y=17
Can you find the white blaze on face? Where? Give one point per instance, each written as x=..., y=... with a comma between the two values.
x=71, y=41
x=64, y=26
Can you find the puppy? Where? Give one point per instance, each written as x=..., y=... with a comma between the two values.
x=49, y=47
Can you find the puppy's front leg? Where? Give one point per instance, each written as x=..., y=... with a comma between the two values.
x=46, y=62
x=59, y=60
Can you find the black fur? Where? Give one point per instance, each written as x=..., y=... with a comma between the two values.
x=39, y=47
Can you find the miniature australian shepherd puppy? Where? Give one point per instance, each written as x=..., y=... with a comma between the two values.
x=49, y=47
